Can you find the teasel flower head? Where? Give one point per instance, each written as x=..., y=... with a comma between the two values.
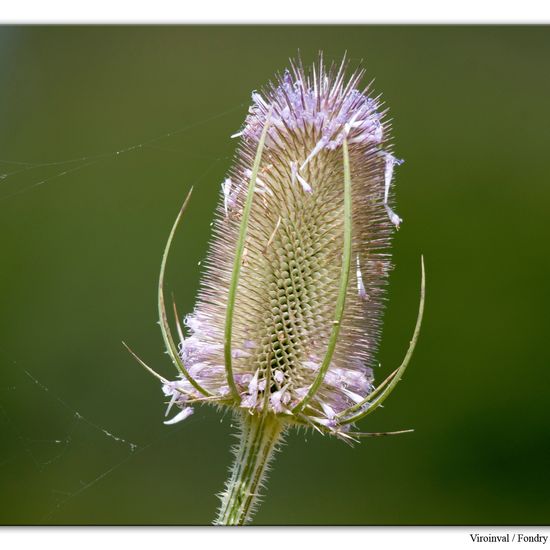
x=288, y=318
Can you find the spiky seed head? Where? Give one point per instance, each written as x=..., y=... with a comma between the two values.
x=291, y=263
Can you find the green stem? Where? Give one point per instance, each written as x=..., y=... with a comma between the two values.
x=231, y=298
x=258, y=441
x=344, y=278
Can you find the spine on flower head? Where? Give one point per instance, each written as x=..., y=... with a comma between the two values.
x=291, y=260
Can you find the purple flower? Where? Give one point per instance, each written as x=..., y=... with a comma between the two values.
x=277, y=262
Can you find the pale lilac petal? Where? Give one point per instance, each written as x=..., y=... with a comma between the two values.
x=226, y=188
x=391, y=161
x=360, y=285
x=305, y=185
x=182, y=415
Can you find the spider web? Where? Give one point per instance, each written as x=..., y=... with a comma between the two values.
x=46, y=449
x=12, y=169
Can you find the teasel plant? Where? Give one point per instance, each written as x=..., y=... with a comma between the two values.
x=288, y=317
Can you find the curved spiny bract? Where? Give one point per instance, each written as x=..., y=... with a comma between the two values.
x=291, y=263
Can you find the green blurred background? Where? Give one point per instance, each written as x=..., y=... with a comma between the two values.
x=80, y=254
